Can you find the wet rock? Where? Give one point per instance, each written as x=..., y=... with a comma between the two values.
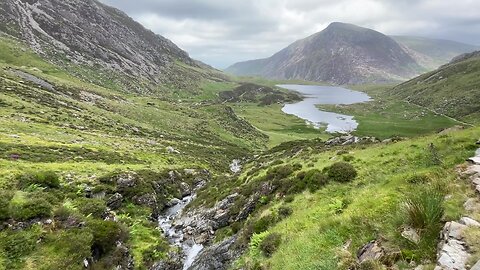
x=174, y=261
x=370, y=251
x=216, y=257
x=115, y=201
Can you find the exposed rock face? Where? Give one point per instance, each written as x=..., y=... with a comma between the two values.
x=216, y=257
x=341, y=54
x=89, y=33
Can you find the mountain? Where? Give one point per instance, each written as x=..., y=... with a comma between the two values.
x=341, y=54
x=453, y=89
x=100, y=43
x=432, y=53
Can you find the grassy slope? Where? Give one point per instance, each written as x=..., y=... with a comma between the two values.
x=453, y=90
x=386, y=117
x=369, y=207
x=82, y=131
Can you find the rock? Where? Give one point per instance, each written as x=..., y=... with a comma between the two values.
x=469, y=222
x=146, y=199
x=126, y=180
x=411, y=235
x=453, y=255
x=370, y=251
x=478, y=142
x=477, y=265
x=221, y=219
x=453, y=230
x=115, y=201
x=474, y=160
x=172, y=202
x=185, y=189
x=174, y=261
x=216, y=257
x=471, y=205
x=172, y=150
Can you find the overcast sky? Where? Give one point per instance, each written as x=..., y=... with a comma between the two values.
x=222, y=32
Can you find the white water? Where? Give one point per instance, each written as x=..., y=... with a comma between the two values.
x=314, y=95
x=175, y=235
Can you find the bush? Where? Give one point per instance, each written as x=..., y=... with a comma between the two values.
x=270, y=244
x=315, y=179
x=31, y=208
x=284, y=211
x=280, y=172
x=94, y=207
x=5, y=197
x=47, y=179
x=424, y=209
x=105, y=235
x=263, y=223
x=342, y=172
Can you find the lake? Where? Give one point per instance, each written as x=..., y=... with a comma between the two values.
x=314, y=95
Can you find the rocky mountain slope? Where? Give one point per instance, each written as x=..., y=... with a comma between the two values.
x=432, y=53
x=341, y=54
x=453, y=89
x=101, y=44
x=348, y=54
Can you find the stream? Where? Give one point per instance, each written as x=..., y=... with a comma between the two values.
x=175, y=235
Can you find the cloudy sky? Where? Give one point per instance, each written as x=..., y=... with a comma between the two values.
x=222, y=32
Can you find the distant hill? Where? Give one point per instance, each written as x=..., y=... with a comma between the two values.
x=432, y=53
x=453, y=89
x=341, y=54
x=100, y=43
x=348, y=54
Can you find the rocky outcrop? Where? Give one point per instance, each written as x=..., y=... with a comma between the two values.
x=91, y=34
x=217, y=257
x=350, y=139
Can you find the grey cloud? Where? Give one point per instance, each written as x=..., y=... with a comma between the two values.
x=221, y=32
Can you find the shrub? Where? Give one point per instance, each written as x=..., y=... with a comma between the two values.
x=424, y=209
x=342, y=172
x=94, y=207
x=270, y=244
x=289, y=198
x=263, y=223
x=47, y=179
x=31, y=208
x=105, y=235
x=315, y=179
x=280, y=172
x=284, y=211
x=5, y=197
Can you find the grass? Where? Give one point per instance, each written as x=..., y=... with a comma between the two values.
x=370, y=205
x=279, y=127
x=389, y=117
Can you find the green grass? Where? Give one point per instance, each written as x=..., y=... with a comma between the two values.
x=279, y=127
x=370, y=206
x=388, y=117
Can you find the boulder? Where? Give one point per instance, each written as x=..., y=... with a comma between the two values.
x=126, y=180
x=475, y=160
x=115, y=201
x=453, y=230
x=174, y=261
x=216, y=257
x=471, y=205
x=453, y=255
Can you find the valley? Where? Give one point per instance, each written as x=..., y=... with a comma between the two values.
x=349, y=149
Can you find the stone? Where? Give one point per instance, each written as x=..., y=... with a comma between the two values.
x=370, y=251
x=476, y=266
x=173, y=202
x=115, y=201
x=453, y=230
x=469, y=222
x=474, y=160
x=478, y=142
x=218, y=256
x=471, y=205
x=411, y=235
x=126, y=180
x=172, y=150
x=453, y=255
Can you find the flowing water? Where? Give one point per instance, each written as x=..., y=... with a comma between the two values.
x=314, y=95
x=175, y=235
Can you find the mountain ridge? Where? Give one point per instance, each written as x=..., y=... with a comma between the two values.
x=348, y=54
